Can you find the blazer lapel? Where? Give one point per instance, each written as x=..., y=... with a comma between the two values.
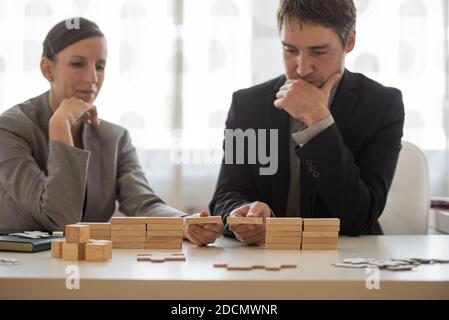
x=344, y=101
x=91, y=144
x=279, y=119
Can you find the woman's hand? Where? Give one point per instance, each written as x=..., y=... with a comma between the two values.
x=68, y=118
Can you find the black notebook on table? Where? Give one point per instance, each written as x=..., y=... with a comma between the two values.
x=20, y=244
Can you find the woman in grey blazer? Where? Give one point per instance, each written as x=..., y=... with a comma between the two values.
x=58, y=164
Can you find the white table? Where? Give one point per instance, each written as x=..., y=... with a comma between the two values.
x=40, y=277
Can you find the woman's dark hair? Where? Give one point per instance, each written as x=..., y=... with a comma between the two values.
x=66, y=33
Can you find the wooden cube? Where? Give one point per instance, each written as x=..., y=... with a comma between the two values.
x=105, y=241
x=56, y=248
x=77, y=233
x=98, y=251
x=73, y=251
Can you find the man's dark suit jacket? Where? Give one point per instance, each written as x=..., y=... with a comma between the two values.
x=346, y=170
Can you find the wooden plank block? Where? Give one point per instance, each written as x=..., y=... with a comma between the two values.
x=136, y=233
x=128, y=239
x=165, y=233
x=281, y=227
x=164, y=220
x=320, y=234
x=321, y=221
x=108, y=242
x=128, y=220
x=311, y=246
x=279, y=233
x=105, y=226
x=160, y=227
x=77, y=233
x=240, y=267
x=128, y=227
x=203, y=220
x=283, y=240
x=73, y=251
x=100, y=238
x=56, y=248
x=97, y=251
x=163, y=239
x=283, y=221
x=244, y=220
x=283, y=246
x=99, y=233
x=127, y=245
x=159, y=245
x=321, y=228
x=317, y=240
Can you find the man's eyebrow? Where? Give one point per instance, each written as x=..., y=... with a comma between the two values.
x=288, y=45
x=320, y=47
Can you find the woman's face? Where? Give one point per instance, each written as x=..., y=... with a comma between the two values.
x=78, y=70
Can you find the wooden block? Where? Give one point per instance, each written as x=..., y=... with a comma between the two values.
x=128, y=239
x=163, y=239
x=244, y=220
x=321, y=221
x=100, y=238
x=162, y=245
x=311, y=246
x=283, y=240
x=281, y=227
x=165, y=233
x=99, y=233
x=321, y=228
x=136, y=233
x=279, y=233
x=107, y=242
x=283, y=246
x=273, y=267
x=242, y=267
x=320, y=234
x=128, y=227
x=127, y=245
x=317, y=240
x=128, y=220
x=159, y=227
x=73, y=251
x=77, y=233
x=283, y=221
x=220, y=265
x=162, y=257
x=105, y=226
x=203, y=220
x=96, y=251
x=56, y=248
x=164, y=220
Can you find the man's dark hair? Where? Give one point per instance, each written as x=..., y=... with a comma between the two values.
x=339, y=15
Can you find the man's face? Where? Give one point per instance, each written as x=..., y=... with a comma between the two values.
x=312, y=52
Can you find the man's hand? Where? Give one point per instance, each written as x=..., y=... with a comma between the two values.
x=253, y=234
x=203, y=234
x=305, y=102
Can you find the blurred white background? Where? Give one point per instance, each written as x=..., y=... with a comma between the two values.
x=174, y=64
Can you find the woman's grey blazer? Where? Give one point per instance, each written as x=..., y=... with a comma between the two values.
x=44, y=184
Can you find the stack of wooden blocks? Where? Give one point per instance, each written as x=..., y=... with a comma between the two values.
x=164, y=233
x=283, y=233
x=320, y=234
x=99, y=230
x=128, y=232
x=77, y=245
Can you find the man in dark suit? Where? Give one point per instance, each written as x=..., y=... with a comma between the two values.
x=339, y=133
